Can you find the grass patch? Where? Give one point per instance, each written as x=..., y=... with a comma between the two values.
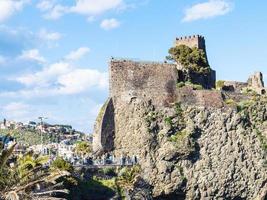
x=178, y=136
x=168, y=121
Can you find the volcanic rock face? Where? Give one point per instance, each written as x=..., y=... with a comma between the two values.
x=192, y=152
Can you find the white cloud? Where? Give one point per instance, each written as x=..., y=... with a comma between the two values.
x=56, y=12
x=90, y=8
x=77, y=54
x=49, y=36
x=2, y=60
x=80, y=80
x=93, y=7
x=46, y=76
x=60, y=79
x=33, y=55
x=45, y=5
x=10, y=7
x=207, y=10
x=109, y=24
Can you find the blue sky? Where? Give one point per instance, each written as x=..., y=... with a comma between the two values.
x=54, y=53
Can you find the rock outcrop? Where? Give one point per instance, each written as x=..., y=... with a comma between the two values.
x=191, y=140
x=193, y=152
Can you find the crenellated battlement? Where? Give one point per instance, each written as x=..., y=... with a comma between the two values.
x=190, y=37
x=191, y=41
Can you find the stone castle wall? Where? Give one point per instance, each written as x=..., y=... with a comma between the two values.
x=133, y=81
x=234, y=86
x=255, y=83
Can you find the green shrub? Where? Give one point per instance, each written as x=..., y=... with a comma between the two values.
x=219, y=84
x=110, y=183
x=178, y=109
x=197, y=87
x=178, y=136
x=93, y=189
x=244, y=105
x=187, y=83
x=230, y=102
x=127, y=176
x=168, y=121
x=109, y=171
x=61, y=164
x=250, y=91
x=180, y=84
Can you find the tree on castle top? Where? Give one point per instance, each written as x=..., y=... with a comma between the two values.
x=190, y=58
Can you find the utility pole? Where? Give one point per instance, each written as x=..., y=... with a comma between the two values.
x=41, y=121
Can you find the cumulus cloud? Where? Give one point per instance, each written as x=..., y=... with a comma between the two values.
x=83, y=7
x=32, y=55
x=60, y=79
x=92, y=7
x=108, y=24
x=46, y=76
x=80, y=80
x=77, y=54
x=45, y=5
x=48, y=35
x=209, y=9
x=10, y=7
x=56, y=12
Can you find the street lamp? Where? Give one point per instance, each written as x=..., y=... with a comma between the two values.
x=41, y=120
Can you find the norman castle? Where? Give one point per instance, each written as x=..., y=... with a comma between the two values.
x=133, y=82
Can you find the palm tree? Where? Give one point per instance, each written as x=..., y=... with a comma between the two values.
x=28, y=165
x=29, y=179
x=5, y=154
x=83, y=148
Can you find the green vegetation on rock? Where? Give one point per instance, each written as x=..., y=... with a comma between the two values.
x=178, y=136
x=194, y=86
x=230, y=102
x=219, y=84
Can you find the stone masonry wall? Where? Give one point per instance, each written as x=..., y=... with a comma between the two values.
x=192, y=41
x=235, y=86
x=135, y=81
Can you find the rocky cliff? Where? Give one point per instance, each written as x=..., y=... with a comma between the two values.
x=197, y=152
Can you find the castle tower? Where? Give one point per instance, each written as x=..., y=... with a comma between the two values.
x=198, y=41
x=192, y=41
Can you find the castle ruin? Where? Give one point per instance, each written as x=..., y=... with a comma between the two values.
x=133, y=82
